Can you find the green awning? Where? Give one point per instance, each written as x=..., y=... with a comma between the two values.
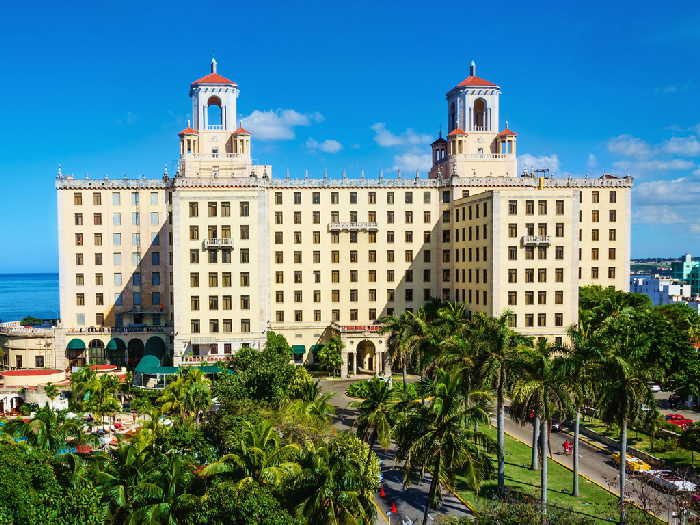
x=76, y=344
x=150, y=365
x=116, y=344
x=315, y=348
x=210, y=369
x=298, y=349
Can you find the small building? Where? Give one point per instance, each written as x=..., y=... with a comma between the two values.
x=661, y=290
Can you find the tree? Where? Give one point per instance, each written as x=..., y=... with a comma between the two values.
x=375, y=410
x=438, y=438
x=690, y=439
x=49, y=430
x=189, y=396
x=259, y=455
x=51, y=392
x=541, y=389
x=622, y=380
x=404, y=339
x=337, y=483
x=499, y=346
x=92, y=392
x=330, y=356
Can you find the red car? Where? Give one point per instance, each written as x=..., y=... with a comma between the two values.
x=679, y=420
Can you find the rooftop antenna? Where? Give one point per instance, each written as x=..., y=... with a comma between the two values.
x=472, y=69
x=506, y=124
x=398, y=173
x=214, y=63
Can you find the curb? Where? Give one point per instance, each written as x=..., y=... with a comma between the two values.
x=463, y=501
x=380, y=511
x=607, y=489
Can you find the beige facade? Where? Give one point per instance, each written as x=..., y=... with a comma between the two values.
x=240, y=252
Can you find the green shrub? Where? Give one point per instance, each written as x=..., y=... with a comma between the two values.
x=359, y=388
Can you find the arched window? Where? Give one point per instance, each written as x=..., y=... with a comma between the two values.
x=214, y=113
x=453, y=117
x=96, y=352
x=479, y=113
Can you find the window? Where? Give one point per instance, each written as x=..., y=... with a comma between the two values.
x=541, y=319
x=560, y=207
x=559, y=275
x=529, y=297
x=529, y=207
x=408, y=197
x=512, y=230
x=529, y=275
x=117, y=219
x=316, y=197
x=559, y=252
x=278, y=197
x=611, y=272
x=512, y=207
x=297, y=197
x=512, y=253
x=612, y=235
x=353, y=197
x=613, y=197
x=595, y=197
x=512, y=275
x=194, y=209
x=595, y=235
x=559, y=229
x=595, y=216
x=542, y=207
x=559, y=297
x=541, y=297
x=512, y=298
x=558, y=319
x=542, y=275
x=390, y=197
x=116, y=198
x=245, y=325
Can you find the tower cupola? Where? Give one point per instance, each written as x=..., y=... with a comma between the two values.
x=472, y=105
x=214, y=101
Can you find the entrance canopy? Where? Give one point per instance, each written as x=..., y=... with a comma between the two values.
x=76, y=344
x=298, y=349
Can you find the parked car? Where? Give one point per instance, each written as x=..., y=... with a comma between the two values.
x=633, y=464
x=669, y=482
x=654, y=388
x=679, y=420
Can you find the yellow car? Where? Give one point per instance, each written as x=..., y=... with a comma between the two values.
x=633, y=464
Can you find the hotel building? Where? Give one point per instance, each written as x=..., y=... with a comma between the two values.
x=194, y=266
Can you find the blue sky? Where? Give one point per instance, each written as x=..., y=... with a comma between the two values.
x=102, y=89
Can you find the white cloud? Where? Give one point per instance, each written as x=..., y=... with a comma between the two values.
x=325, y=146
x=629, y=146
x=635, y=168
x=278, y=124
x=591, y=161
x=683, y=146
x=528, y=161
x=387, y=139
x=653, y=214
x=681, y=190
x=412, y=161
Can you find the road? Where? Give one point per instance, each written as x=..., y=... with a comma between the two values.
x=410, y=502
x=597, y=465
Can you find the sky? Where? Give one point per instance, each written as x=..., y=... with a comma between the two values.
x=101, y=89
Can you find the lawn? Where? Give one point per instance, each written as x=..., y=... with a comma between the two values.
x=678, y=456
x=594, y=501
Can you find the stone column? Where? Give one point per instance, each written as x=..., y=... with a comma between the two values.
x=344, y=365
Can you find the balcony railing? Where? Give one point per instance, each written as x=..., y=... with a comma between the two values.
x=215, y=127
x=352, y=226
x=483, y=156
x=207, y=358
x=218, y=243
x=212, y=156
x=535, y=240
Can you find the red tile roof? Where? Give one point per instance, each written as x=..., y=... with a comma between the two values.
x=31, y=372
x=188, y=131
x=213, y=78
x=103, y=368
x=507, y=133
x=474, y=81
x=456, y=131
x=241, y=131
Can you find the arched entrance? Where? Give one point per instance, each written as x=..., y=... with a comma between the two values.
x=366, y=357
x=96, y=352
x=134, y=353
x=116, y=352
x=155, y=346
x=480, y=120
x=75, y=353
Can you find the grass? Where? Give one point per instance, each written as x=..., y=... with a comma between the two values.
x=677, y=457
x=593, y=501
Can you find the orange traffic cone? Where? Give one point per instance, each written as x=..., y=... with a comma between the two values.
x=382, y=493
x=394, y=510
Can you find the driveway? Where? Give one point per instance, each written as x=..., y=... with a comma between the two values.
x=410, y=502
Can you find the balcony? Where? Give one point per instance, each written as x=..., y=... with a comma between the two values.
x=215, y=127
x=352, y=226
x=535, y=240
x=214, y=244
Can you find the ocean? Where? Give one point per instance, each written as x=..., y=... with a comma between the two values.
x=23, y=294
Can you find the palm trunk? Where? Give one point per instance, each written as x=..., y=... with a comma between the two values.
x=434, y=487
x=500, y=437
x=534, y=461
x=403, y=373
x=576, y=438
x=623, y=467
x=372, y=439
x=545, y=468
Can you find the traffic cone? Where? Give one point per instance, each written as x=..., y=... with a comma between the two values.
x=382, y=493
x=394, y=510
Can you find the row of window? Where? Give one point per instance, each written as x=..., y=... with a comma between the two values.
x=117, y=259
x=223, y=209
x=219, y=325
x=136, y=279
x=154, y=216
x=530, y=207
x=529, y=275
x=529, y=297
x=353, y=197
x=117, y=239
x=136, y=298
x=135, y=198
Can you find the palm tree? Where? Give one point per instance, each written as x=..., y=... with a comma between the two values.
x=622, y=381
x=375, y=411
x=259, y=455
x=438, y=439
x=577, y=368
x=51, y=392
x=404, y=340
x=542, y=389
x=499, y=346
x=49, y=429
x=188, y=396
x=316, y=412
